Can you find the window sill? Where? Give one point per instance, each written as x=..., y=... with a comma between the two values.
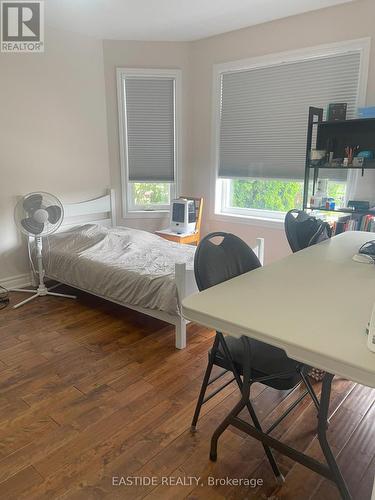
x=146, y=214
x=249, y=219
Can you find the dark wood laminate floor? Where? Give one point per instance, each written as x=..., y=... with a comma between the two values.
x=90, y=391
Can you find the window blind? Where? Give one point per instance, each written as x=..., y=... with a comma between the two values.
x=150, y=129
x=264, y=113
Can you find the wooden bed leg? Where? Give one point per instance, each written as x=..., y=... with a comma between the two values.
x=180, y=276
x=181, y=334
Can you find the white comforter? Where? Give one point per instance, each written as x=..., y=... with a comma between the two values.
x=126, y=265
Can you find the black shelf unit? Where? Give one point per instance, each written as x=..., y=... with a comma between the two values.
x=335, y=136
x=370, y=165
x=343, y=211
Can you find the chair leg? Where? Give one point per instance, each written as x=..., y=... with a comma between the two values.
x=310, y=388
x=245, y=397
x=202, y=393
x=237, y=376
x=206, y=380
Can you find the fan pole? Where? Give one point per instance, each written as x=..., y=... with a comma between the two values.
x=42, y=290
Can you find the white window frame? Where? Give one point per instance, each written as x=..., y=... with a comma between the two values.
x=129, y=209
x=218, y=191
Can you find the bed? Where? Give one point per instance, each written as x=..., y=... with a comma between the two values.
x=130, y=267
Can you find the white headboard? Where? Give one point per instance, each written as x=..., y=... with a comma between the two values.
x=101, y=210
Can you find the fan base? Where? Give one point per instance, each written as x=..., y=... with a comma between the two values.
x=41, y=291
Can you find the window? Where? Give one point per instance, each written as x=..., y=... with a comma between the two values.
x=261, y=125
x=269, y=198
x=150, y=195
x=148, y=127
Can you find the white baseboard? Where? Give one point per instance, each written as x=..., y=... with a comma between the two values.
x=18, y=281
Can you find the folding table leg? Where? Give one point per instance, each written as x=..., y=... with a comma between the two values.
x=224, y=424
x=330, y=471
x=267, y=449
x=322, y=436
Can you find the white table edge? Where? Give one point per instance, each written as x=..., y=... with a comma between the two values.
x=326, y=363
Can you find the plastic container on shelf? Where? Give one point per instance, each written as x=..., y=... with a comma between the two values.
x=318, y=199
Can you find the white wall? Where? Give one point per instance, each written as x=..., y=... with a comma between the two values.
x=345, y=22
x=53, y=133
x=132, y=54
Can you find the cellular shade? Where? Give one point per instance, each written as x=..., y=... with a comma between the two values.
x=264, y=114
x=150, y=129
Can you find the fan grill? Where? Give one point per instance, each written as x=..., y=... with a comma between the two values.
x=38, y=214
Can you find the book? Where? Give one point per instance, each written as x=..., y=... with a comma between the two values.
x=354, y=222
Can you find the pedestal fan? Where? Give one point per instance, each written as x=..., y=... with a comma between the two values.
x=38, y=215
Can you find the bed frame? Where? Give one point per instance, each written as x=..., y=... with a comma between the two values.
x=102, y=211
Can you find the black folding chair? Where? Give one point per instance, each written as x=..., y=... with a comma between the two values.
x=303, y=230
x=214, y=264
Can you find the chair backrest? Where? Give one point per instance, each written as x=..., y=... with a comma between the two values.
x=302, y=230
x=216, y=263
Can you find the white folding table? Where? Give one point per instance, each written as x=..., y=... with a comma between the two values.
x=314, y=304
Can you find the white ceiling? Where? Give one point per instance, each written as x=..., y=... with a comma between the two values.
x=177, y=20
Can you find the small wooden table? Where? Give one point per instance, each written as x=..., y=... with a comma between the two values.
x=185, y=239
x=191, y=238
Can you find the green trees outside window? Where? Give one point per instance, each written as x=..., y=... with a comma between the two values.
x=151, y=193
x=274, y=194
